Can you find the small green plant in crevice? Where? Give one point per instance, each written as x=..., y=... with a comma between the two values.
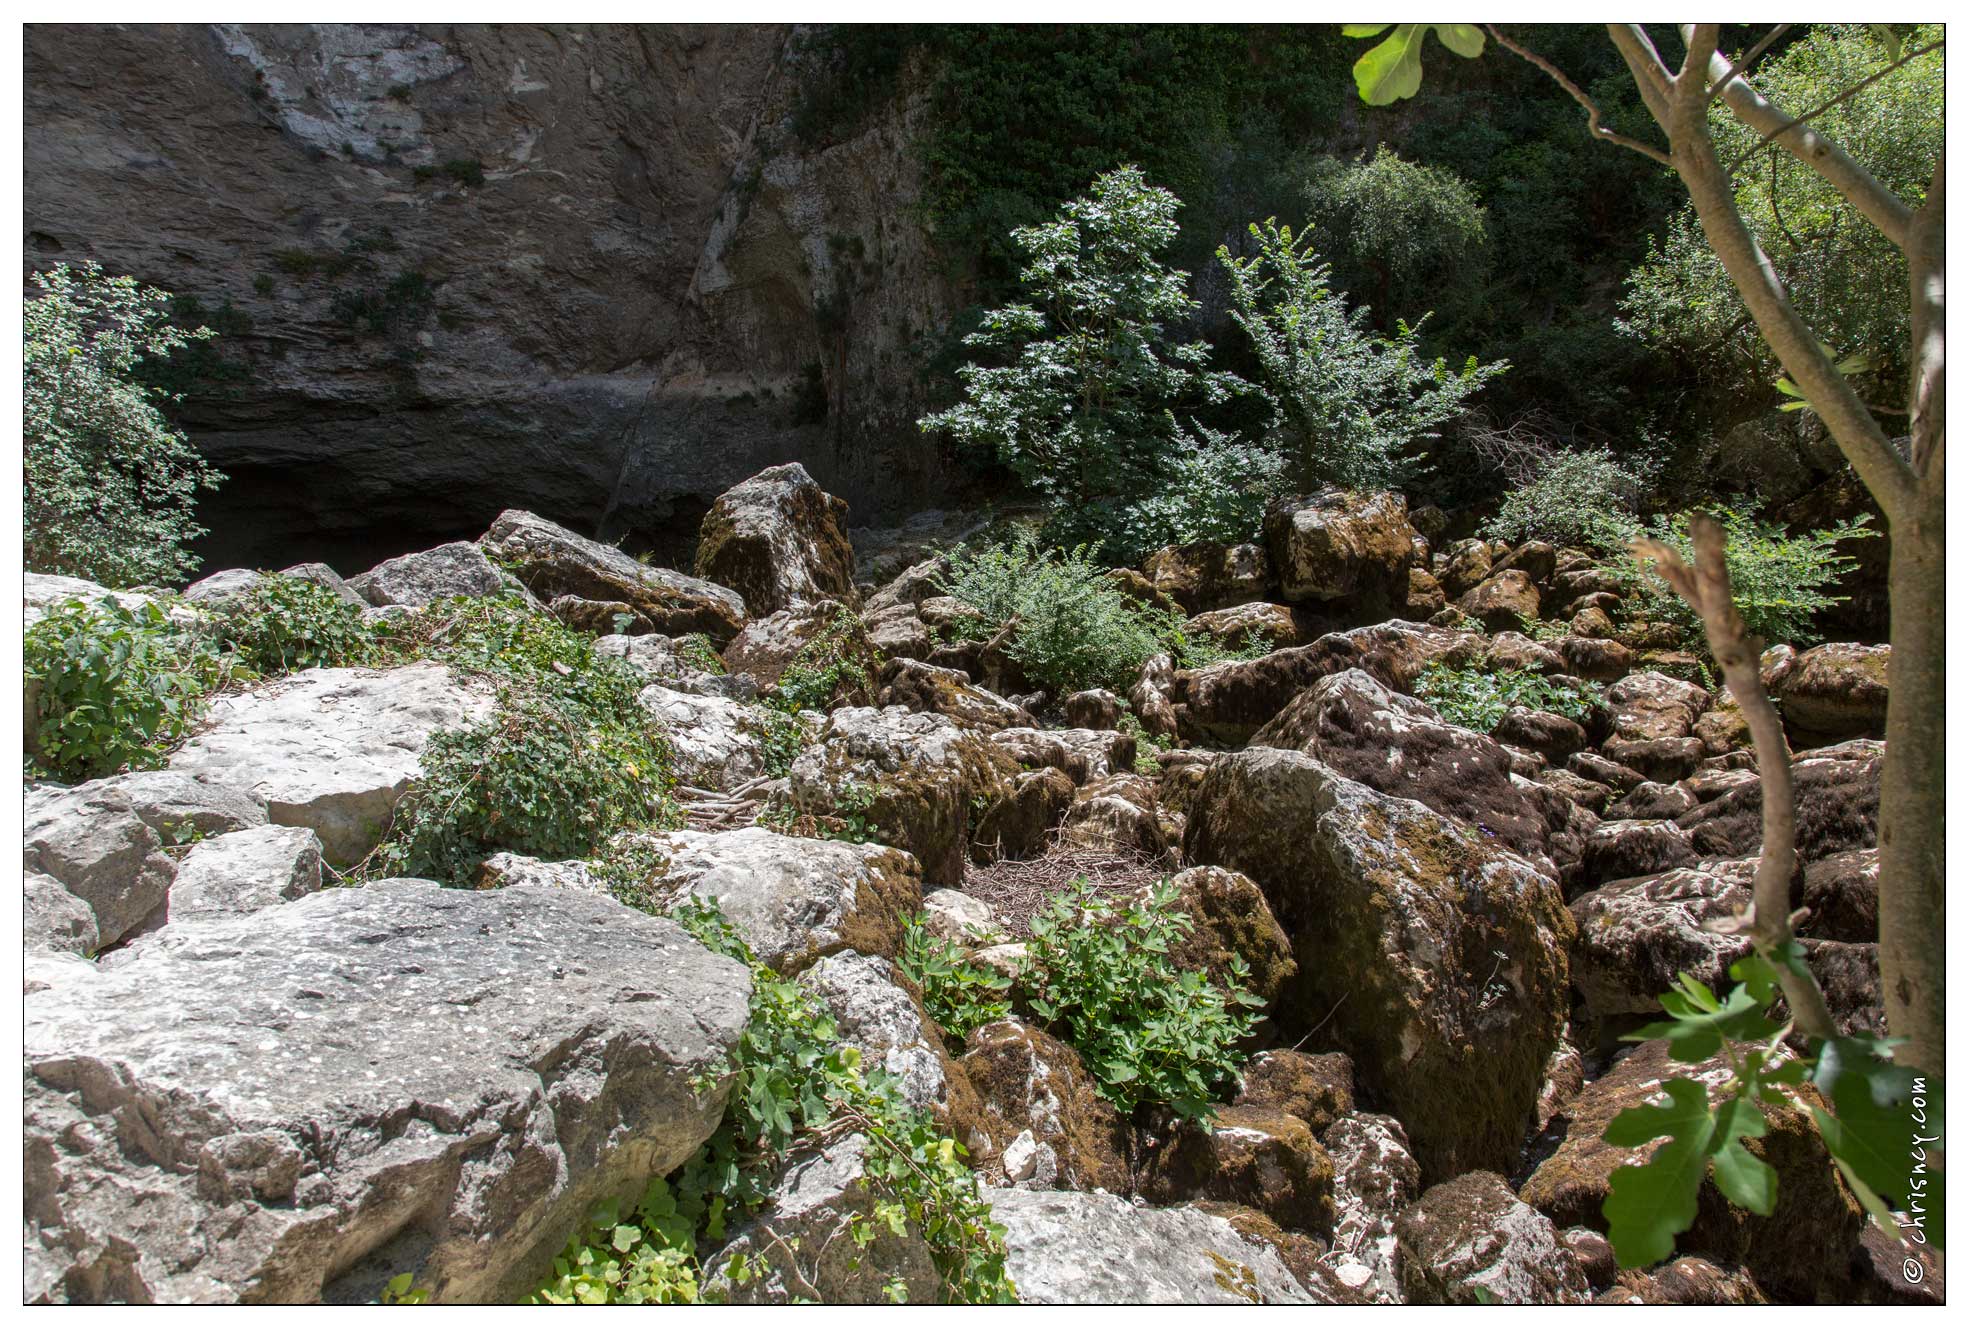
x=403, y=1291
x=1200, y=650
x=960, y=996
x=282, y=623
x=695, y=650
x=826, y=670
x=782, y=738
x=792, y=1081
x=1147, y=746
x=1476, y=699
x=1098, y=974
x=111, y=687
x=1877, y=1109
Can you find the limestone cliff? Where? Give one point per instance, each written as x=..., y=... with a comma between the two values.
x=585, y=270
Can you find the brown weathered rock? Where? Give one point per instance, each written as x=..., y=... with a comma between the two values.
x=1019, y=823
x=1615, y=850
x=1254, y=1156
x=813, y=636
x=1084, y=754
x=1399, y=746
x=1229, y=702
x=1096, y=708
x=1152, y=697
x=1230, y=918
x=1116, y=814
x=1238, y=627
x=1317, y=1088
x=1637, y=935
x=1593, y=766
x=1341, y=545
x=1514, y=650
x=1465, y=565
x=1553, y=737
x=1843, y=893
x=777, y=540
x=553, y=561
x=1802, y=1250
x=1653, y=802
x=1470, y=1241
x=1425, y=595
x=1590, y=795
x=946, y=692
x=1686, y=1280
x=1449, y=1012
x=1837, y=795
x=1837, y=691
x=1502, y=601
x=1033, y=1088
x=1374, y=1179
x=1206, y=575
x=1601, y=661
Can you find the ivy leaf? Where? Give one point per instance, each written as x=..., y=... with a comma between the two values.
x=1392, y=70
x=1649, y=1203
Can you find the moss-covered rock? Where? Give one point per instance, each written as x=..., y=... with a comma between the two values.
x=1259, y=1157
x=777, y=540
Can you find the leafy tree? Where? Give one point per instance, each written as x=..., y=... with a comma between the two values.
x=1582, y=500
x=1351, y=406
x=1402, y=234
x=1085, y=410
x=1834, y=266
x=110, y=484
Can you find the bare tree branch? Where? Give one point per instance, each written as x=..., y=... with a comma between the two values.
x=1706, y=588
x=1743, y=66
x=1651, y=76
x=1593, y=125
x=1877, y=203
x=1927, y=309
x=1823, y=107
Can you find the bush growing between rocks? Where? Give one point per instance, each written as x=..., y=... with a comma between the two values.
x=112, y=687
x=1478, y=700
x=793, y=1082
x=824, y=670
x=1779, y=581
x=960, y=996
x=280, y=624
x=1582, y=500
x=1098, y=972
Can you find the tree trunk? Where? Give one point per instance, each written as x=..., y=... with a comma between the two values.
x=1913, y=791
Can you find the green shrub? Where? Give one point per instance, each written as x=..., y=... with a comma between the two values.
x=1351, y=407
x=285, y=623
x=960, y=996
x=111, y=687
x=829, y=669
x=568, y=759
x=1098, y=972
x=695, y=649
x=793, y=1081
x=782, y=737
x=1478, y=700
x=1580, y=500
x=110, y=485
x=1075, y=628
x=1779, y=581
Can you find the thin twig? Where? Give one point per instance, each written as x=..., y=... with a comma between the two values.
x=1578, y=94
x=1821, y=109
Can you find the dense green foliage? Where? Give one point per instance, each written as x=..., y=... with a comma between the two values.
x=1085, y=408
x=1576, y=500
x=282, y=623
x=1073, y=627
x=792, y=1081
x=1876, y=1109
x=1350, y=408
x=111, y=687
x=109, y=483
x=567, y=759
x=959, y=995
x=1098, y=972
x=1779, y=581
x=1834, y=265
x=829, y=670
x=1478, y=700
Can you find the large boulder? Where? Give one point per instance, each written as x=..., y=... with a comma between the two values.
x=1637, y=935
x=42, y=591
x=91, y=840
x=415, y=580
x=1835, y=692
x=332, y=749
x=1019, y=823
x=181, y=805
x=553, y=561
x=913, y=778
x=1043, y=1122
x=680, y=664
x=1207, y=575
x=949, y=693
x=1471, y=1241
x=1502, y=601
x=1236, y=628
x=1400, y=746
x=802, y=1244
x=712, y=739
x=777, y=540
x=818, y=635
x=54, y=918
x=1343, y=546
x=1116, y=815
x=1438, y=958
x=1229, y=917
x=1801, y=1250
x=1375, y=1178
x=1317, y=1088
x=1229, y=702
x=792, y=900
x=246, y=871
x=1069, y=1249
x=1836, y=792
x=299, y=1104
x=1653, y=724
